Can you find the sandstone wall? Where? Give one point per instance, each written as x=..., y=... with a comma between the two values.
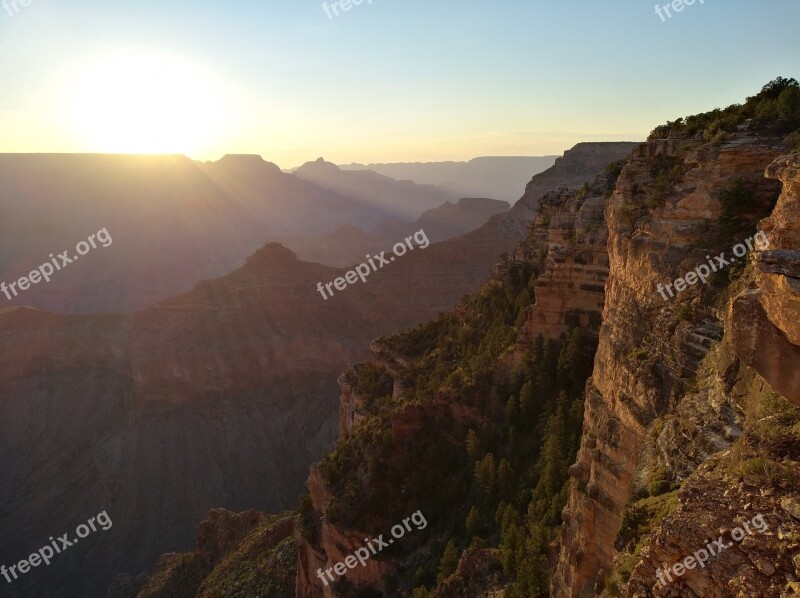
x=649, y=350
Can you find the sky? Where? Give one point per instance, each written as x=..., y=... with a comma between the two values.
x=385, y=81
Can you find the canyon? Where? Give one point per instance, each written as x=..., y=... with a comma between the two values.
x=218, y=397
x=689, y=412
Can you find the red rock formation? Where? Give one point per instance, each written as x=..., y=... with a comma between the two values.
x=652, y=240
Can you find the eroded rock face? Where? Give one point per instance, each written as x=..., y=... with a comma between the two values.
x=335, y=545
x=478, y=574
x=766, y=320
x=570, y=235
x=650, y=349
x=325, y=550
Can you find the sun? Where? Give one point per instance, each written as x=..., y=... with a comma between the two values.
x=146, y=104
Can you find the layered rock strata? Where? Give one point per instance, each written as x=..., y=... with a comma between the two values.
x=651, y=350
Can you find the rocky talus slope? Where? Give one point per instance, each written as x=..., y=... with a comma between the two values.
x=676, y=448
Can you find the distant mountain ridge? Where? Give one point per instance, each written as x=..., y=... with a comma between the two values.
x=348, y=244
x=173, y=221
x=404, y=200
x=499, y=177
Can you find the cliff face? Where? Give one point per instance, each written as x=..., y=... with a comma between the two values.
x=765, y=319
x=659, y=404
x=568, y=238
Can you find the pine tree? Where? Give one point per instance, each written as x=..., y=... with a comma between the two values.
x=553, y=472
x=513, y=443
x=533, y=571
x=510, y=517
x=512, y=410
x=498, y=514
x=512, y=541
x=569, y=375
x=527, y=402
x=505, y=479
x=448, y=563
x=473, y=523
x=486, y=475
x=473, y=445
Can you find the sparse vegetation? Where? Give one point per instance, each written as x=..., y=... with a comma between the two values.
x=775, y=108
x=793, y=141
x=683, y=312
x=666, y=173
x=493, y=478
x=764, y=472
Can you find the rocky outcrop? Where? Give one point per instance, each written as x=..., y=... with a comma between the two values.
x=765, y=320
x=477, y=574
x=568, y=240
x=755, y=528
x=662, y=223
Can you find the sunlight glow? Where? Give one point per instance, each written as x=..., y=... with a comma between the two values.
x=146, y=104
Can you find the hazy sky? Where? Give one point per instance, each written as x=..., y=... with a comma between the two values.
x=394, y=80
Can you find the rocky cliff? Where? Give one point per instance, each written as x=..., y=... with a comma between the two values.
x=764, y=319
x=669, y=426
x=689, y=432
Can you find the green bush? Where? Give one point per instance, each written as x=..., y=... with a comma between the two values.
x=659, y=487
x=766, y=473
x=640, y=354
x=793, y=141
x=789, y=105
x=633, y=519
x=659, y=483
